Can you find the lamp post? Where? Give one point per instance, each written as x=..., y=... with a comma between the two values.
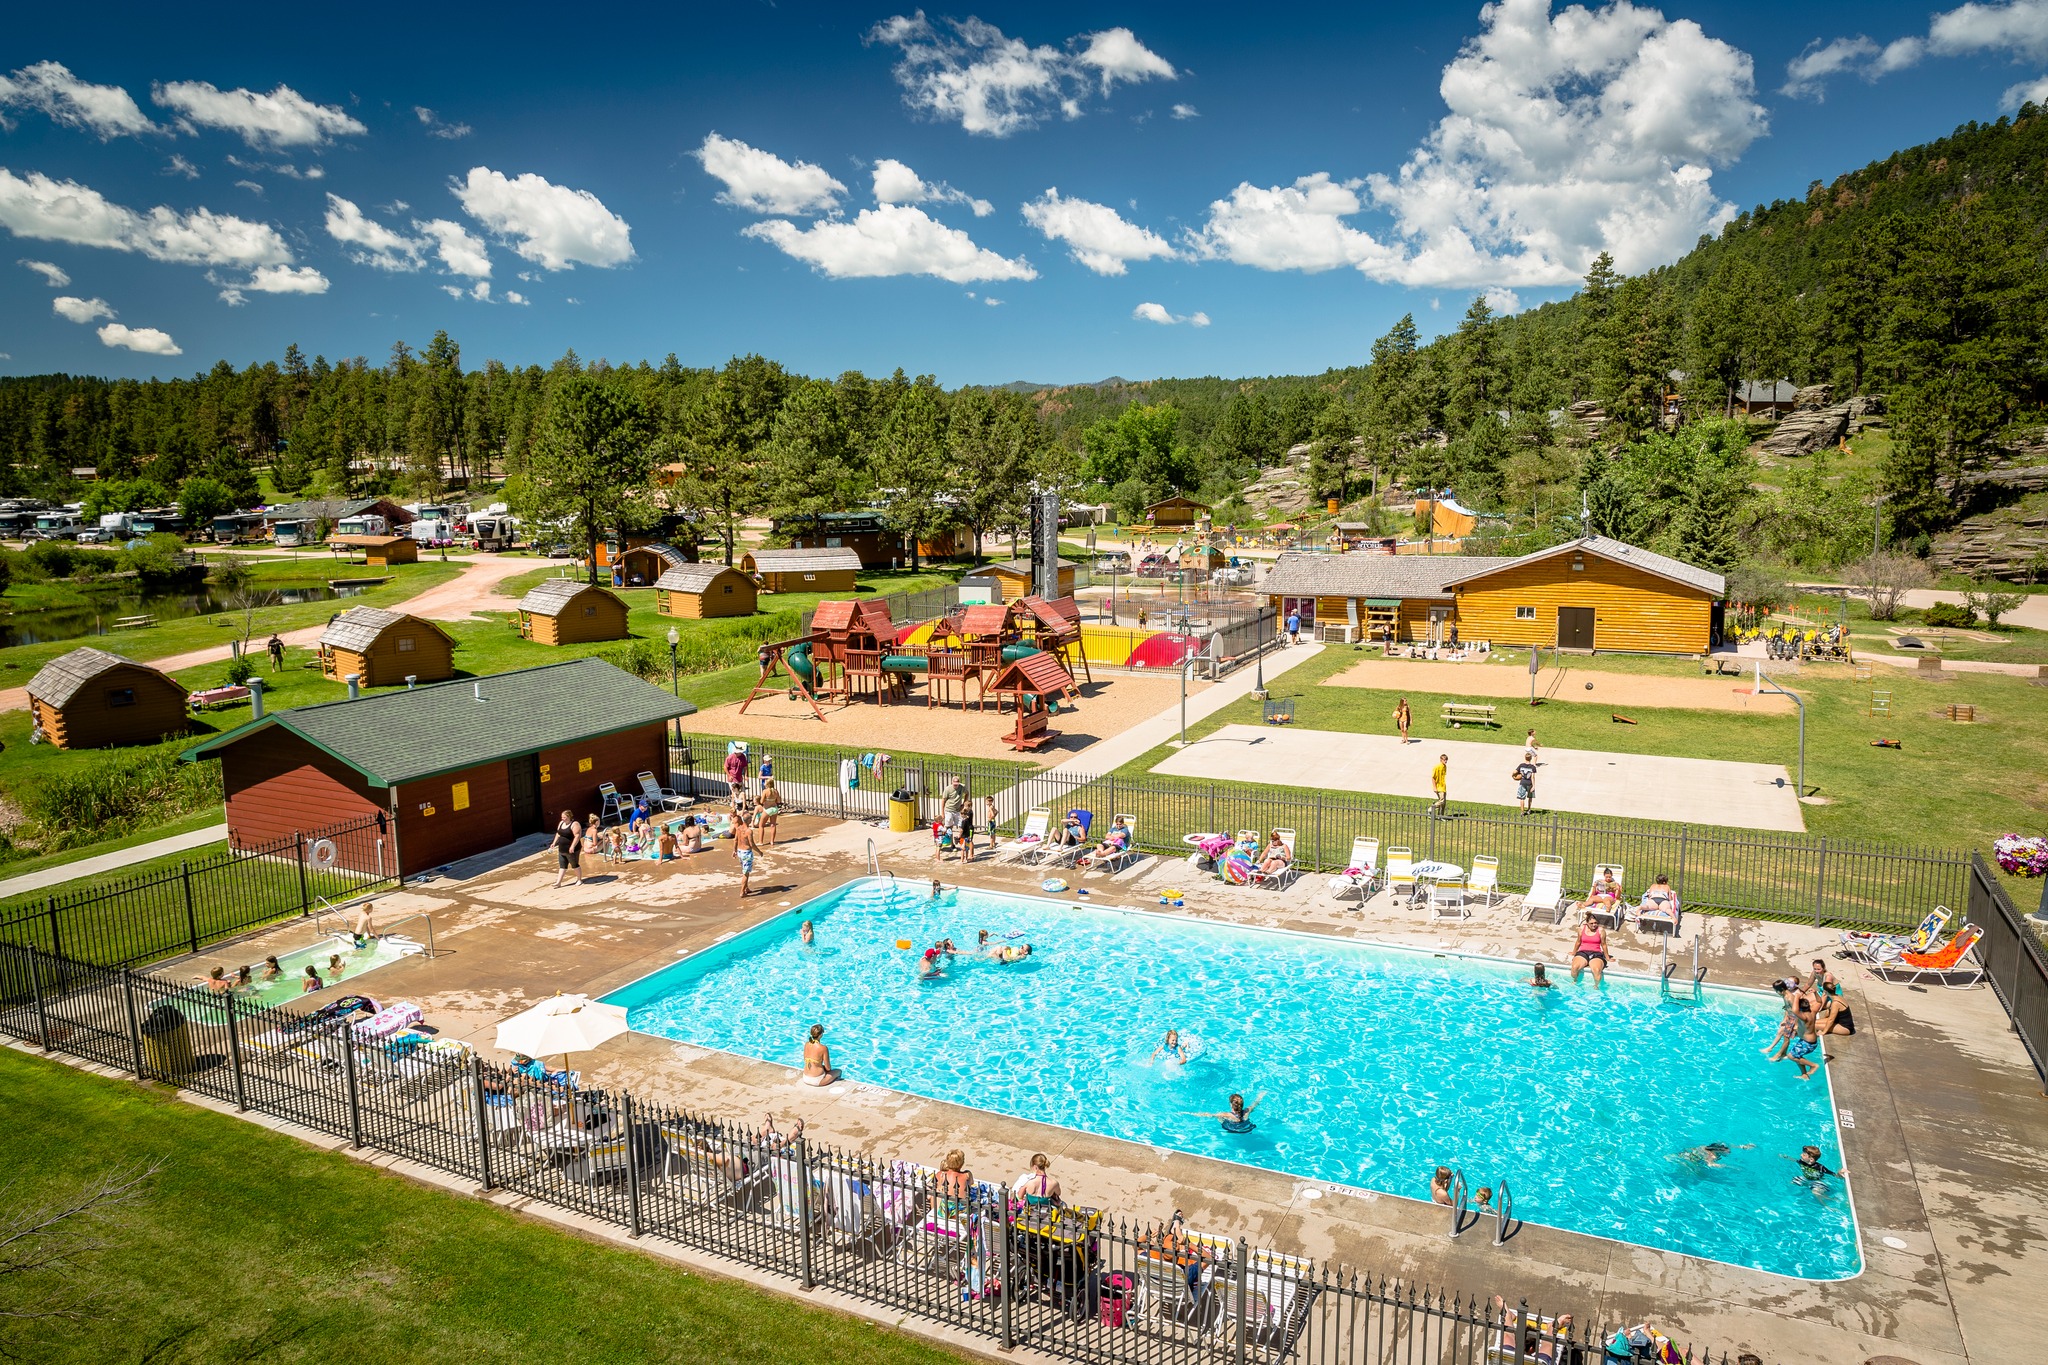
x=675, y=639
x=1259, y=684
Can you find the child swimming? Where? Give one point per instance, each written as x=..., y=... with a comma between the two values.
x=1238, y=1119
x=1171, y=1048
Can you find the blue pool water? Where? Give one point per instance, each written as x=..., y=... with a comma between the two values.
x=1378, y=1064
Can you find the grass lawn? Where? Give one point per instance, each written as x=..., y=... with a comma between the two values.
x=250, y=1245
x=1952, y=785
x=18, y=663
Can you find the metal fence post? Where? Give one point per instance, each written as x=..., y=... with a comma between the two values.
x=1211, y=826
x=1316, y=863
x=35, y=981
x=191, y=921
x=56, y=939
x=633, y=1227
x=1244, y=1273
x=305, y=892
x=803, y=1213
x=134, y=1024
x=1009, y=1288
x=483, y=1120
x=355, y=1095
x=227, y=1002
x=1680, y=887
x=1820, y=880
x=1553, y=836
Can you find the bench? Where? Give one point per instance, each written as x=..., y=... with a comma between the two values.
x=1457, y=713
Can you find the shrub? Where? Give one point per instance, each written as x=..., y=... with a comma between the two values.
x=55, y=558
x=1948, y=614
x=241, y=668
x=105, y=797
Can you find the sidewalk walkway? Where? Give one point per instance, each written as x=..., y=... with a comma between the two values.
x=112, y=862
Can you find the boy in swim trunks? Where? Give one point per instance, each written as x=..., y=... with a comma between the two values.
x=1803, y=1041
x=743, y=849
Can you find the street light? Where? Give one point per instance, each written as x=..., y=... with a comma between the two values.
x=675, y=639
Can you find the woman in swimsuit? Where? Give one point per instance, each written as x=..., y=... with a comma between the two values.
x=567, y=842
x=771, y=806
x=1590, y=950
x=1605, y=894
x=1238, y=1119
x=1171, y=1048
x=953, y=1183
x=1012, y=954
x=807, y=935
x=1440, y=1185
x=818, y=1068
x=1036, y=1186
x=593, y=841
x=1278, y=854
x=271, y=970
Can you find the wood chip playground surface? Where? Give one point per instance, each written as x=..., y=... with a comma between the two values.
x=1700, y=791
x=1619, y=690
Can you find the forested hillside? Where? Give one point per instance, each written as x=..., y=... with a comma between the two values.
x=1922, y=278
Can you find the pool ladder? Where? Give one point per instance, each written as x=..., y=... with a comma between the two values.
x=1503, y=1207
x=1665, y=966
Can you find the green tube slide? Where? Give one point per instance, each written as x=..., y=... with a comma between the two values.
x=798, y=657
x=905, y=663
x=1012, y=653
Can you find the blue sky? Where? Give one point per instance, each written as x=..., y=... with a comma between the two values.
x=1048, y=192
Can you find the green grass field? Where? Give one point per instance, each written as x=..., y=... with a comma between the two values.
x=249, y=1245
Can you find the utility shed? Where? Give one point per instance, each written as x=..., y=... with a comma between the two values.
x=821, y=570
x=384, y=648
x=456, y=769
x=701, y=591
x=90, y=699
x=1593, y=593
x=1010, y=579
x=564, y=611
x=380, y=551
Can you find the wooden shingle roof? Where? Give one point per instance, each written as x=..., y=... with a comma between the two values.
x=552, y=597
x=692, y=577
x=1388, y=576
x=824, y=559
x=358, y=628
x=58, y=681
x=1620, y=552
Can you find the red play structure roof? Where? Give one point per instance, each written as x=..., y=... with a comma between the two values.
x=1040, y=673
x=985, y=618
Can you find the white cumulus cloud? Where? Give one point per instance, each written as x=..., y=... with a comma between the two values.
x=762, y=182
x=1186, y=111
x=1157, y=312
x=551, y=225
x=969, y=72
x=148, y=340
x=282, y=118
x=2017, y=30
x=178, y=165
x=49, y=210
x=374, y=243
x=896, y=183
x=2026, y=92
x=892, y=239
x=1569, y=135
x=461, y=250
x=287, y=279
x=80, y=310
x=1502, y=300
x=1099, y=237
x=106, y=111
x=514, y=296
x=53, y=275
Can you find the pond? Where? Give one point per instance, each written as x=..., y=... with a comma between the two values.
x=73, y=623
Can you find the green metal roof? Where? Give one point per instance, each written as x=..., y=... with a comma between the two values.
x=402, y=736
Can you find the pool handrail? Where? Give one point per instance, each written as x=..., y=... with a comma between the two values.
x=1458, y=1198
x=329, y=908
x=1503, y=1211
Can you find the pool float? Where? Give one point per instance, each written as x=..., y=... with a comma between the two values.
x=1053, y=884
x=903, y=943
x=1237, y=869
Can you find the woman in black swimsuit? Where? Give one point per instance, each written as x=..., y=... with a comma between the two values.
x=568, y=846
x=1239, y=1117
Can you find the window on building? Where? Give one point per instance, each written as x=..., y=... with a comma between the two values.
x=405, y=644
x=120, y=696
x=727, y=590
x=1525, y=613
x=590, y=610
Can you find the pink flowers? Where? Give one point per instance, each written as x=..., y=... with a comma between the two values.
x=2023, y=854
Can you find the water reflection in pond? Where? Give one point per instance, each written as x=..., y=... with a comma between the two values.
x=72, y=623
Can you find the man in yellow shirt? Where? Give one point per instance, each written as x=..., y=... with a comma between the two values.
x=1439, y=779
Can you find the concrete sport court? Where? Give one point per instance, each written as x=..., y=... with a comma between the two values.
x=1700, y=791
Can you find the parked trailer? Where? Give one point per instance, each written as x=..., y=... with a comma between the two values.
x=237, y=528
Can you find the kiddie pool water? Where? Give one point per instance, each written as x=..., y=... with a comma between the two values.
x=1378, y=1064
x=290, y=986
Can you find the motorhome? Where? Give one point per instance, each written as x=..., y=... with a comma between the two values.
x=13, y=525
x=58, y=525
x=151, y=520
x=432, y=530
x=237, y=528
x=368, y=524
x=493, y=530
x=292, y=535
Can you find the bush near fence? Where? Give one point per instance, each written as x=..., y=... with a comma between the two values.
x=204, y=900
x=877, y=1229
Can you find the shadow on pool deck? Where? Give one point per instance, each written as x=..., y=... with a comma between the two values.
x=1947, y=1149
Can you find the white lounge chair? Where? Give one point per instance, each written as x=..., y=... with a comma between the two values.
x=667, y=798
x=1365, y=856
x=617, y=805
x=1619, y=910
x=1031, y=839
x=1485, y=878
x=1869, y=946
x=1284, y=874
x=1545, y=897
x=1115, y=859
x=1400, y=872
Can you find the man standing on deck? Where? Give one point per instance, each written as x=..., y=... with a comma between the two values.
x=1439, y=780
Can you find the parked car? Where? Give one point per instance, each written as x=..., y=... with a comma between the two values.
x=1154, y=566
x=1237, y=576
x=1115, y=561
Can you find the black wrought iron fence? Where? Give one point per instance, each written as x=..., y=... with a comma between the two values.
x=1079, y=1284
x=203, y=900
x=2013, y=960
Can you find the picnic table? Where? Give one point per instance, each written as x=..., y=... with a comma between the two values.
x=216, y=696
x=1457, y=713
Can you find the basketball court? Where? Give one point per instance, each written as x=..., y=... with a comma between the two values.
x=1701, y=791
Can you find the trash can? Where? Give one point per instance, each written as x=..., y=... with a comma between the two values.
x=167, y=1042
x=902, y=811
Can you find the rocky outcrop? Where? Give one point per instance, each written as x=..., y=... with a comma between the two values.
x=1866, y=406
x=2004, y=543
x=2032, y=479
x=1806, y=430
x=1587, y=416
x=1813, y=396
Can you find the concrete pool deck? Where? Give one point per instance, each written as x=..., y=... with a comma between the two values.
x=1699, y=791
x=1943, y=1130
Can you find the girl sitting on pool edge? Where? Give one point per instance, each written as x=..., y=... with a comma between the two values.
x=1239, y=1117
x=818, y=1068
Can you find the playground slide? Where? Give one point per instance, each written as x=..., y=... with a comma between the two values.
x=905, y=663
x=1012, y=653
x=798, y=660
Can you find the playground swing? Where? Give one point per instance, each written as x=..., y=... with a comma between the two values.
x=794, y=658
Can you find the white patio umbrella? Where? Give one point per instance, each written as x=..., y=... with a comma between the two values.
x=564, y=1024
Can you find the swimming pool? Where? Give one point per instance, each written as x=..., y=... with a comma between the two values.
x=355, y=961
x=1377, y=1063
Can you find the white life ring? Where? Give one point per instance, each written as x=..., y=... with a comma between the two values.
x=323, y=853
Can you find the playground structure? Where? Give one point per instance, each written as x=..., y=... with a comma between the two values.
x=1056, y=628
x=1033, y=682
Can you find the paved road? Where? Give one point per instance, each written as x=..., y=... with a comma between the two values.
x=112, y=862
x=2032, y=613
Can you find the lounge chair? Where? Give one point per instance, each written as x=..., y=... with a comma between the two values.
x=1116, y=859
x=617, y=805
x=1940, y=963
x=667, y=798
x=1545, y=897
x=1652, y=915
x=1447, y=901
x=1361, y=870
x=1868, y=945
x=1618, y=912
x=1063, y=855
x=1284, y=874
x=1036, y=822
x=1278, y=1293
x=1485, y=878
x=1400, y=872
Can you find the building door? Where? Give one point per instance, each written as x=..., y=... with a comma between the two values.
x=522, y=777
x=1574, y=627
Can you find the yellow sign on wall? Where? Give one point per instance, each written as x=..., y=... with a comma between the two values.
x=582, y=765
x=458, y=799
x=543, y=772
